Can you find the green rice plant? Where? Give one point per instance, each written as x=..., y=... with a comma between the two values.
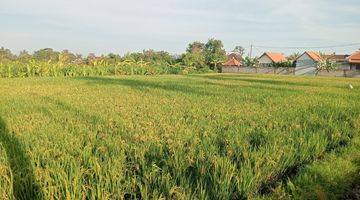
x=82, y=135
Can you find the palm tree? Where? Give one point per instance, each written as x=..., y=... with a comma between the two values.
x=325, y=63
x=293, y=56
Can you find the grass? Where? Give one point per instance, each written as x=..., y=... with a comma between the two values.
x=212, y=136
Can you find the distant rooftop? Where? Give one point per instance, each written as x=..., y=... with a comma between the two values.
x=232, y=62
x=275, y=57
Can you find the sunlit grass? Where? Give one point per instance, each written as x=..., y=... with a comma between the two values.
x=175, y=137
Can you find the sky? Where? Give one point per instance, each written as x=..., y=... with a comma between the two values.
x=119, y=26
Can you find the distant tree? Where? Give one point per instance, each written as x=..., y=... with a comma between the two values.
x=214, y=53
x=240, y=50
x=135, y=56
x=90, y=58
x=78, y=56
x=24, y=56
x=248, y=62
x=195, y=60
x=79, y=59
x=283, y=64
x=6, y=55
x=66, y=57
x=46, y=54
x=293, y=57
x=159, y=57
x=113, y=58
x=195, y=47
x=252, y=62
x=325, y=63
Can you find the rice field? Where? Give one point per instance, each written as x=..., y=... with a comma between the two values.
x=209, y=136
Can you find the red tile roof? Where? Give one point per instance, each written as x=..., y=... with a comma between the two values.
x=317, y=57
x=235, y=55
x=313, y=55
x=337, y=57
x=232, y=62
x=275, y=57
x=354, y=58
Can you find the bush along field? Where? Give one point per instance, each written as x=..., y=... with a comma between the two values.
x=96, y=67
x=206, y=136
x=198, y=58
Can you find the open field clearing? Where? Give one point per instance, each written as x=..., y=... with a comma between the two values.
x=212, y=136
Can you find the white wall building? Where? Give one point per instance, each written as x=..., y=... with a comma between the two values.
x=231, y=66
x=306, y=63
x=268, y=58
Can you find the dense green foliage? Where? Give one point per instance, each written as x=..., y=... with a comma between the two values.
x=325, y=63
x=215, y=54
x=47, y=62
x=283, y=64
x=94, y=67
x=251, y=62
x=178, y=137
x=199, y=58
x=210, y=55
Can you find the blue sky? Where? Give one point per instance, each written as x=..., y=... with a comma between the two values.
x=119, y=26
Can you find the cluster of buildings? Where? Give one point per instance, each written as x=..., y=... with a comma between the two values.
x=305, y=64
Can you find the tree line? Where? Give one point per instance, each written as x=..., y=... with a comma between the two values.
x=198, y=58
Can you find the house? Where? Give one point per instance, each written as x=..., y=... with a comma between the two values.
x=354, y=60
x=231, y=66
x=340, y=60
x=268, y=58
x=306, y=63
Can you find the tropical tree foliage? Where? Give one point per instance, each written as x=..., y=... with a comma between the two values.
x=46, y=54
x=214, y=53
x=195, y=60
x=48, y=62
x=283, y=64
x=6, y=55
x=240, y=50
x=293, y=56
x=199, y=57
x=196, y=47
x=251, y=62
x=325, y=64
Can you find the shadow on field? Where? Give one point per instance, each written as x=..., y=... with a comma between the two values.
x=345, y=187
x=144, y=85
x=323, y=185
x=354, y=191
x=266, y=85
x=261, y=81
x=24, y=182
x=91, y=119
x=80, y=114
x=175, y=87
